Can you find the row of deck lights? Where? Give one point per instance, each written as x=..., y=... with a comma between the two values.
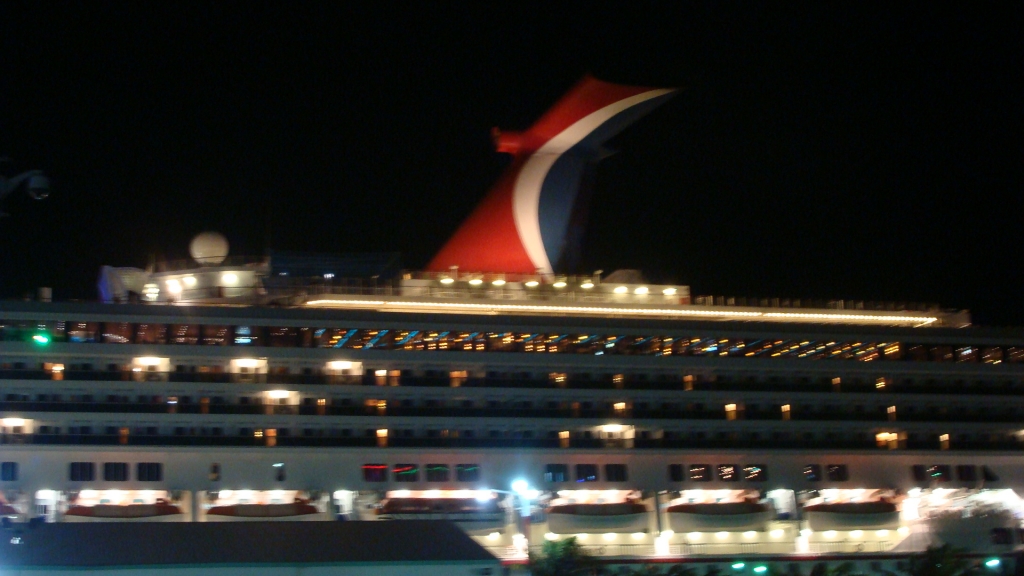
x=586, y=285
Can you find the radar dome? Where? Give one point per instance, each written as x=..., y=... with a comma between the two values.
x=209, y=248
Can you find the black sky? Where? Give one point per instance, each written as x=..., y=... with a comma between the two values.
x=825, y=150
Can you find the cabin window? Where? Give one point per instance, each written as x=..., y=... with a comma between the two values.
x=964, y=473
x=406, y=473
x=216, y=335
x=437, y=473
x=675, y=473
x=812, y=473
x=586, y=472
x=9, y=471
x=118, y=332
x=615, y=473
x=82, y=472
x=755, y=473
x=115, y=471
x=467, y=472
x=700, y=472
x=838, y=473
x=920, y=475
x=988, y=474
x=151, y=334
x=939, y=473
x=375, y=472
x=728, y=473
x=214, y=475
x=184, y=334
x=149, y=472
x=279, y=472
x=556, y=473
x=248, y=335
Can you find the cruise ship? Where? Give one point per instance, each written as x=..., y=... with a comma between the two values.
x=522, y=403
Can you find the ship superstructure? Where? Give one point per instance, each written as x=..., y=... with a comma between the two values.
x=524, y=404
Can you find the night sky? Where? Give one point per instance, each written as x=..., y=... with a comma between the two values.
x=824, y=150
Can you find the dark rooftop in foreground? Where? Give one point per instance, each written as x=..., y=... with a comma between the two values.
x=171, y=543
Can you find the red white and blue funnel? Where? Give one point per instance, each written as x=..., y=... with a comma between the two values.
x=521, y=227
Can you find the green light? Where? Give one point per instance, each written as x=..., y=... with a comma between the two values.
x=738, y=566
x=41, y=339
x=760, y=569
x=992, y=563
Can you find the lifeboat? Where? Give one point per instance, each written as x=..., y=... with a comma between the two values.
x=298, y=510
x=469, y=513
x=160, y=511
x=877, y=514
x=719, y=516
x=619, y=517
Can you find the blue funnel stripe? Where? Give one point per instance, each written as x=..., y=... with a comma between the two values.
x=561, y=184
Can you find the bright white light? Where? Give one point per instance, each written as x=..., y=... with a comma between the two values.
x=806, y=532
x=559, y=284
x=247, y=362
x=882, y=533
x=694, y=535
x=400, y=494
x=641, y=290
x=229, y=278
x=609, y=536
x=550, y=536
x=46, y=494
x=638, y=535
x=498, y=282
x=532, y=284
x=749, y=534
x=520, y=486
x=776, y=533
x=339, y=365
x=668, y=533
x=830, y=534
x=676, y=312
x=903, y=531
x=620, y=290
x=174, y=287
x=856, y=533
x=148, y=361
x=277, y=394
x=87, y=493
x=669, y=291
x=612, y=428
x=447, y=280
x=476, y=282
x=189, y=281
x=587, y=285
x=494, y=536
x=380, y=372
x=722, y=535
x=14, y=421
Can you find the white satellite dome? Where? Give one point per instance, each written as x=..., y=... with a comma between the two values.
x=209, y=248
